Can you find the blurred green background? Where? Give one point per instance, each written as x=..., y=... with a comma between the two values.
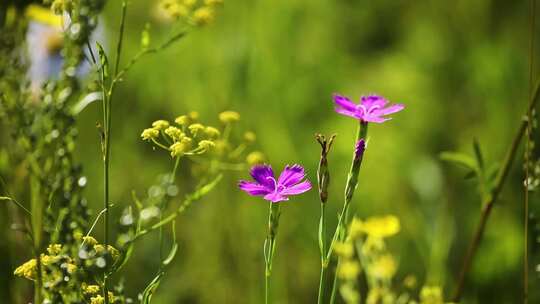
x=461, y=68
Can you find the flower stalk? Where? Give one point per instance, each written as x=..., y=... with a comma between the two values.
x=352, y=182
x=291, y=181
x=270, y=246
x=323, y=179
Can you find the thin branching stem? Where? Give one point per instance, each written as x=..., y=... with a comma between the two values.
x=107, y=105
x=490, y=200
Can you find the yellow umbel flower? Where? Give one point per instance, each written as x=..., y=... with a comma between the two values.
x=431, y=295
x=203, y=16
x=182, y=120
x=181, y=147
x=90, y=289
x=378, y=227
x=160, y=124
x=255, y=158
x=378, y=295
x=348, y=270
x=213, y=2
x=100, y=249
x=71, y=268
x=48, y=260
x=54, y=249
x=189, y=3
x=97, y=300
x=150, y=133
x=212, y=132
x=27, y=270
x=196, y=128
x=90, y=241
x=345, y=249
x=384, y=267
x=174, y=133
x=229, y=116
x=206, y=145
x=173, y=9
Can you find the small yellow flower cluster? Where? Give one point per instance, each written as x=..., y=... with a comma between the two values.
x=375, y=227
x=431, y=295
x=196, y=12
x=226, y=148
x=90, y=289
x=99, y=299
x=365, y=242
x=28, y=270
x=188, y=137
x=91, y=243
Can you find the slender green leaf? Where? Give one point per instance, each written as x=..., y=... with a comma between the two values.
x=478, y=154
x=460, y=159
x=104, y=61
x=151, y=289
x=85, y=101
x=174, y=248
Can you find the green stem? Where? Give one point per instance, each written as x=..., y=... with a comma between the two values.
x=322, y=246
x=324, y=260
x=334, y=285
x=270, y=246
x=107, y=119
x=492, y=198
x=352, y=181
x=266, y=287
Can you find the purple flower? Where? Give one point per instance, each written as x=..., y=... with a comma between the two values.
x=289, y=183
x=370, y=109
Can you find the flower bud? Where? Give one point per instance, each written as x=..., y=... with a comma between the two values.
x=352, y=179
x=323, y=174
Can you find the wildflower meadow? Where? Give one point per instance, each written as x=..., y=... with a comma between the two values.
x=217, y=151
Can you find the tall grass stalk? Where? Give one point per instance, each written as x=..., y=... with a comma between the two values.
x=532, y=20
x=489, y=201
x=107, y=122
